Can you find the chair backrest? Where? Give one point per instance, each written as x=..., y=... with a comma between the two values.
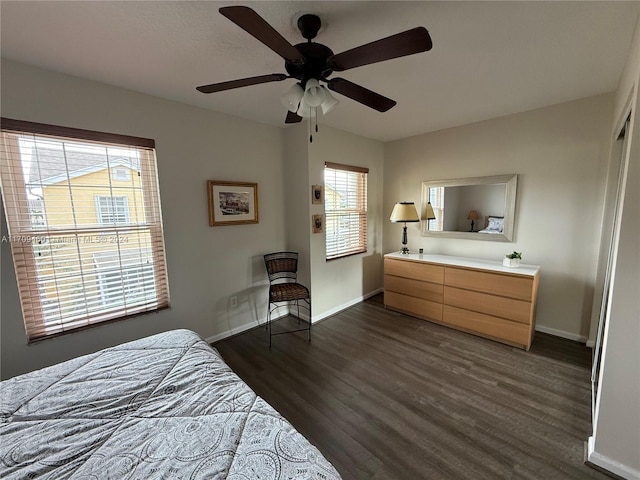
x=282, y=265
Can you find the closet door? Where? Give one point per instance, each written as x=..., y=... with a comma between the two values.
x=610, y=236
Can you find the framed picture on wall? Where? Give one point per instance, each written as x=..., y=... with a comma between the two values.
x=318, y=223
x=232, y=203
x=316, y=194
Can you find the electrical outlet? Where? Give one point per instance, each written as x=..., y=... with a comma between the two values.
x=233, y=301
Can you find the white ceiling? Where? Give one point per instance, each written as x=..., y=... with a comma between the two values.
x=488, y=59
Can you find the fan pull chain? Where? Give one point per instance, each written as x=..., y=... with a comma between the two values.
x=313, y=122
x=313, y=116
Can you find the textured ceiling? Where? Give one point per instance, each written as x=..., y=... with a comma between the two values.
x=489, y=58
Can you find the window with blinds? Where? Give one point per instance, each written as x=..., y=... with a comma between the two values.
x=436, y=198
x=345, y=189
x=87, y=244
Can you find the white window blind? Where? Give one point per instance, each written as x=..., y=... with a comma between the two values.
x=86, y=248
x=436, y=197
x=345, y=210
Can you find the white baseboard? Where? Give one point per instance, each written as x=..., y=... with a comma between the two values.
x=239, y=329
x=284, y=312
x=608, y=464
x=371, y=294
x=591, y=343
x=561, y=333
x=344, y=306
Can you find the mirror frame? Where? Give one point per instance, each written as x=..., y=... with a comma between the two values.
x=511, y=184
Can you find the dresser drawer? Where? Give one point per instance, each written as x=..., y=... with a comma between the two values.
x=413, y=288
x=509, y=308
x=418, y=307
x=476, y=296
x=514, y=333
x=414, y=270
x=512, y=286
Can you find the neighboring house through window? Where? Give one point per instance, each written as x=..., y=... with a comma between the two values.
x=112, y=209
x=345, y=210
x=88, y=247
x=121, y=174
x=36, y=213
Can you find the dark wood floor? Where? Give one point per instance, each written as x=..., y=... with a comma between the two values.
x=388, y=396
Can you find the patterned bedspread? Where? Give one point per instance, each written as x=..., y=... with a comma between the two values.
x=166, y=406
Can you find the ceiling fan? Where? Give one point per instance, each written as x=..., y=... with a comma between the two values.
x=311, y=62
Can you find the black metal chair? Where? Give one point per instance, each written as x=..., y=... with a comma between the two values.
x=284, y=289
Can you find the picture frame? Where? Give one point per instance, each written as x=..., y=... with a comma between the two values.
x=317, y=194
x=317, y=223
x=232, y=203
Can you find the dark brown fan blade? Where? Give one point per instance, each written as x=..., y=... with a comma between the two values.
x=360, y=94
x=292, y=117
x=254, y=24
x=243, y=82
x=406, y=43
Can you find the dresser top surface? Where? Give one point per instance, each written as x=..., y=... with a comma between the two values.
x=523, y=269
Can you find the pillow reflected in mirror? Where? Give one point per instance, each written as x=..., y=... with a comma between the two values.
x=493, y=225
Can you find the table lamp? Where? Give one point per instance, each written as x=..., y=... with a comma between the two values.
x=404, y=212
x=473, y=216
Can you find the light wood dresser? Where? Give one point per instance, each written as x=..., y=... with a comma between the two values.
x=477, y=296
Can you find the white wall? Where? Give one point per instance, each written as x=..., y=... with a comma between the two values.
x=615, y=444
x=452, y=208
x=205, y=264
x=296, y=210
x=558, y=153
x=340, y=283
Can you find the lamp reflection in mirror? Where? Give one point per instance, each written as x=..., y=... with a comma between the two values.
x=404, y=212
x=473, y=216
x=429, y=214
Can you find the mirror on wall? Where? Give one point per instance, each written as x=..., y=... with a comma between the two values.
x=479, y=208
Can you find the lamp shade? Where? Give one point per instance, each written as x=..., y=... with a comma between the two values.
x=314, y=94
x=473, y=215
x=429, y=214
x=328, y=103
x=291, y=98
x=404, y=212
x=304, y=110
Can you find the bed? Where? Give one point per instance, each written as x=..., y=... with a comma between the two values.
x=165, y=406
x=493, y=225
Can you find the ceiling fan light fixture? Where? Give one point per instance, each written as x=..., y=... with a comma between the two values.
x=292, y=97
x=329, y=101
x=311, y=62
x=314, y=94
x=304, y=110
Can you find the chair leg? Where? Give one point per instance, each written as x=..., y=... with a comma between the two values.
x=310, y=317
x=269, y=320
x=268, y=326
